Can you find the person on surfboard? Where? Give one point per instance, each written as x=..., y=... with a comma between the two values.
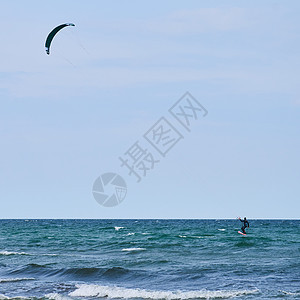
x=245, y=225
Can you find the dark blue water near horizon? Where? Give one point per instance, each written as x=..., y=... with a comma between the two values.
x=149, y=259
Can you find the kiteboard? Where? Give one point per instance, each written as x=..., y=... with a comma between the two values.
x=241, y=233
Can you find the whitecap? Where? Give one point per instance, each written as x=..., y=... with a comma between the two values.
x=192, y=236
x=118, y=228
x=56, y=296
x=24, y=253
x=2, y=280
x=13, y=253
x=133, y=249
x=131, y=233
x=13, y=298
x=92, y=290
x=221, y=229
x=290, y=293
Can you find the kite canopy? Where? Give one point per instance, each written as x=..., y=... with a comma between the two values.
x=52, y=34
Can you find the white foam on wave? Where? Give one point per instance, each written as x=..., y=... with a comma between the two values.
x=221, y=229
x=133, y=249
x=131, y=233
x=2, y=280
x=24, y=253
x=86, y=290
x=56, y=296
x=290, y=293
x=13, y=253
x=191, y=236
x=118, y=228
x=13, y=298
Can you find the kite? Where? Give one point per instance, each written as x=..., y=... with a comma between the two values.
x=52, y=34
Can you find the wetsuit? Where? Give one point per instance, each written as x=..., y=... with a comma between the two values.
x=245, y=225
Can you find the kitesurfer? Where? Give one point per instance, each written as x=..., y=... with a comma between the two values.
x=245, y=224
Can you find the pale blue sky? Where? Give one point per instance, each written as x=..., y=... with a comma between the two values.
x=66, y=118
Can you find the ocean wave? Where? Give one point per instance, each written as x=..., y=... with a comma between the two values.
x=4, y=297
x=191, y=236
x=7, y=253
x=290, y=293
x=133, y=249
x=87, y=272
x=115, y=271
x=74, y=273
x=56, y=296
x=2, y=280
x=118, y=228
x=81, y=272
x=86, y=290
x=32, y=269
x=13, y=253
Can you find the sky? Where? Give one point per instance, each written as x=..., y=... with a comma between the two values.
x=68, y=117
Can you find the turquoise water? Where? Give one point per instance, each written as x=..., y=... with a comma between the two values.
x=149, y=259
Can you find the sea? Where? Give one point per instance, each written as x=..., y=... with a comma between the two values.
x=149, y=259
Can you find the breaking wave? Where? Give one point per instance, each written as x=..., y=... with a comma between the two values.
x=86, y=290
